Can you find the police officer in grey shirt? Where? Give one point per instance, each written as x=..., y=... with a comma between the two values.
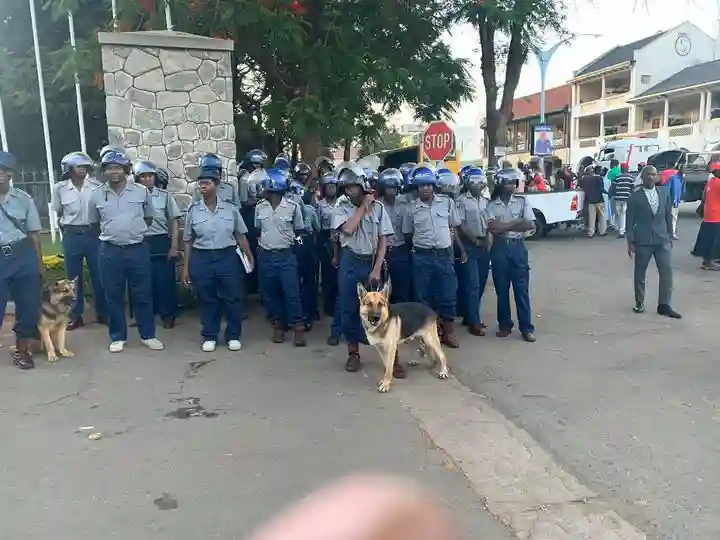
x=225, y=190
x=123, y=211
x=70, y=202
x=510, y=219
x=20, y=261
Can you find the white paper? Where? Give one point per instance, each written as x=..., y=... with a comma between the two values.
x=245, y=261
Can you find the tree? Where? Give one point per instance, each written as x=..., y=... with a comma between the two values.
x=386, y=139
x=508, y=30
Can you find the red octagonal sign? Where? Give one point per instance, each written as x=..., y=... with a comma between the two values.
x=438, y=141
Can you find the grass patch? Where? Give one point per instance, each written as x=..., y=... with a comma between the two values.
x=48, y=248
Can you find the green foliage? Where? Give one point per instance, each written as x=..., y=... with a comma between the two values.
x=385, y=139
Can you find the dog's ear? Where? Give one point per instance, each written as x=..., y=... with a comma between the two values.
x=361, y=291
x=387, y=290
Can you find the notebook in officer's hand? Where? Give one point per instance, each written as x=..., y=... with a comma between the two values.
x=245, y=261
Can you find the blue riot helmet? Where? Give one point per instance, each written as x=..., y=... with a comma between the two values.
x=256, y=182
x=506, y=178
x=474, y=176
x=8, y=161
x=463, y=172
x=405, y=169
x=144, y=167
x=296, y=187
x=256, y=157
x=276, y=181
x=390, y=178
x=162, y=178
x=105, y=149
x=282, y=162
x=448, y=182
x=72, y=160
x=422, y=175
x=114, y=157
x=210, y=167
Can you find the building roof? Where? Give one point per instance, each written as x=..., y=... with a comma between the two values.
x=699, y=74
x=555, y=99
x=618, y=55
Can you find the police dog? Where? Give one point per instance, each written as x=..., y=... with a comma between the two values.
x=55, y=305
x=388, y=325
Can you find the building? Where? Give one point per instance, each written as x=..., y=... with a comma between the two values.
x=526, y=115
x=634, y=87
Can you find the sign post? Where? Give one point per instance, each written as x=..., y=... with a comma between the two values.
x=438, y=141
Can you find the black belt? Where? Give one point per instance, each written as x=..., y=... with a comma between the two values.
x=282, y=250
x=82, y=229
x=16, y=247
x=433, y=251
x=125, y=246
x=511, y=240
x=216, y=250
x=359, y=256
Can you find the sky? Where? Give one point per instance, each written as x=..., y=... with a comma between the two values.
x=617, y=21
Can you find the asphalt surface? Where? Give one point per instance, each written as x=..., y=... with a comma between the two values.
x=628, y=403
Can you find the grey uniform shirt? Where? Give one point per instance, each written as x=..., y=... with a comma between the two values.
x=396, y=212
x=20, y=206
x=121, y=215
x=365, y=239
x=225, y=192
x=516, y=208
x=243, y=194
x=324, y=210
x=166, y=210
x=71, y=203
x=472, y=212
x=216, y=229
x=431, y=224
x=310, y=219
x=277, y=226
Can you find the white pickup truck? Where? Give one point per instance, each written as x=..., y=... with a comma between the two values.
x=555, y=208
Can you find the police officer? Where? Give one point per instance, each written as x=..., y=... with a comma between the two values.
x=472, y=211
x=408, y=191
x=305, y=250
x=397, y=259
x=225, y=190
x=328, y=252
x=430, y=223
x=20, y=260
x=509, y=219
x=213, y=231
x=255, y=160
x=363, y=226
x=280, y=220
x=79, y=241
x=123, y=211
x=324, y=165
x=163, y=238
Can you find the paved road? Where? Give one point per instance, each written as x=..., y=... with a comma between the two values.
x=629, y=403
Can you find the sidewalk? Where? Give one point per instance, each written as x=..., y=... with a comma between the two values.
x=227, y=437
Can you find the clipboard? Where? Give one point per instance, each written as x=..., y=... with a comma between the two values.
x=247, y=265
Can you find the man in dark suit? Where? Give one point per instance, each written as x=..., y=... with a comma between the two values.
x=649, y=234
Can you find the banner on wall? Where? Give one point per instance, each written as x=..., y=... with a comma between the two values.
x=543, y=144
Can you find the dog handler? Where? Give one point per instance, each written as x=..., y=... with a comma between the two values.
x=363, y=226
x=123, y=211
x=398, y=251
x=509, y=218
x=20, y=260
x=79, y=241
x=162, y=237
x=214, y=229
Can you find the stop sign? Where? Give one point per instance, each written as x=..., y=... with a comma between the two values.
x=438, y=141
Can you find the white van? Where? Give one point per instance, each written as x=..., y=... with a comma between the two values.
x=632, y=152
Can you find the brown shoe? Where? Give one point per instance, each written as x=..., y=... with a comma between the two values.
x=168, y=323
x=299, y=338
x=503, y=333
x=22, y=357
x=278, y=332
x=448, y=337
x=476, y=330
x=398, y=369
x=529, y=337
x=353, y=362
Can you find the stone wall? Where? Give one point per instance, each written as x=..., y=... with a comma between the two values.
x=169, y=99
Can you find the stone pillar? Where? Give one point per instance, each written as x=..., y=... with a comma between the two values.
x=169, y=99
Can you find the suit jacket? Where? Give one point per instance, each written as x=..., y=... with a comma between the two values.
x=645, y=228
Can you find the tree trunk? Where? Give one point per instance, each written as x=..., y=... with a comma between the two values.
x=294, y=152
x=347, y=149
x=310, y=148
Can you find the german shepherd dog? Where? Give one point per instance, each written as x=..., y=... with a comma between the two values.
x=55, y=305
x=388, y=325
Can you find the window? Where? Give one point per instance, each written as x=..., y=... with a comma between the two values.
x=645, y=79
x=521, y=137
x=655, y=123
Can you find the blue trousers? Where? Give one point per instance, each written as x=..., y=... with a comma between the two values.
x=217, y=277
x=80, y=244
x=354, y=269
x=248, y=215
x=20, y=280
x=128, y=267
x=510, y=267
x=461, y=302
x=397, y=260
x=279, y=286
x=307, y=272
x=163, y=276
x=328, y=273
x=474, y=279
x=434, y=280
